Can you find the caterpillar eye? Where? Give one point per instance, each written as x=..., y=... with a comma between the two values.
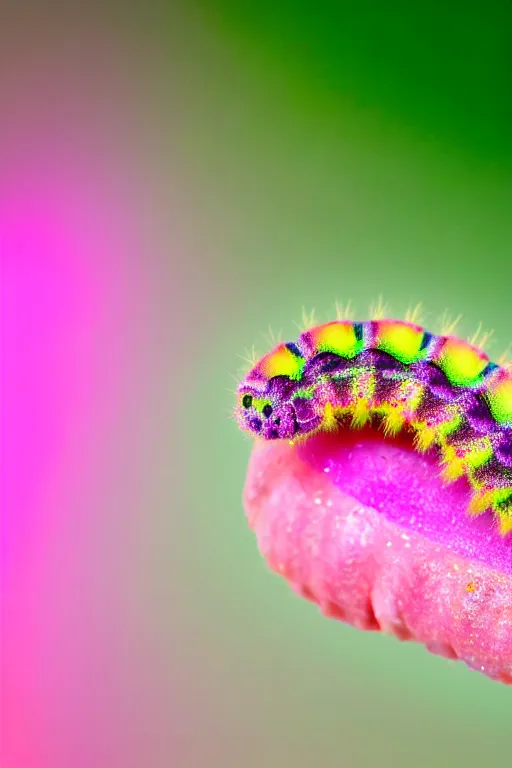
x=267, y=411
x=247, y=401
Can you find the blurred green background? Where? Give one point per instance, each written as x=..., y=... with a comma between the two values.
x=292, y=154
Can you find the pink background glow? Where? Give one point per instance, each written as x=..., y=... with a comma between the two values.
x=84, y=287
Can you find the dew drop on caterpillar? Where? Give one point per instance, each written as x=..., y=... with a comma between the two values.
x=404, y=437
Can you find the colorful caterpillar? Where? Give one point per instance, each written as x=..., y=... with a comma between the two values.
x=398, y=376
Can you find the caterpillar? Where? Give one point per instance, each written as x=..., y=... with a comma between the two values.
x=396, y=376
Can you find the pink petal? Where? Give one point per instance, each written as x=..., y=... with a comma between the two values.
x=365, y=528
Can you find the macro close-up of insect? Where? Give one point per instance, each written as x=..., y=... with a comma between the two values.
x=360, y=414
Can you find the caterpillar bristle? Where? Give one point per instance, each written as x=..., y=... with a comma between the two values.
x=505, y=520
x=344, y=311
x=308, y=320
x=249, y=359
x=505, y=359
x=480, y=338
x=424, y=438
x=452, y=468
x=480, y=501
x=447, y=324
x=415, y=314
x=228, y=413
x=380, y=309
x=273, y=339
x=393, y=423
x=329, y=421
x=360, y=415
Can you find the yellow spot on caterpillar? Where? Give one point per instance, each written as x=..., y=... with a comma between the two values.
x=461, y=363
x=329, y=422
x=361, y=413
x=393, y=422
x=499, y=397
x=458, y=461
x=445, y=428
x=338, y=337
x=401, y=340
x=362, y=397
x=259, y=403
x=281, y=362
x=470, y=587
x=453, y=465
x=478, y=453
x=481, y=501
x=424, y=438
x=505, y=520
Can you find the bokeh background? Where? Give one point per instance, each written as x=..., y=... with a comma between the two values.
x=174, y=179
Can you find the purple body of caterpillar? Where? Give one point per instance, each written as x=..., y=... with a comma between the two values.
x=396, y=375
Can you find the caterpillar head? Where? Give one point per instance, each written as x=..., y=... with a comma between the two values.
x=272, y=400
